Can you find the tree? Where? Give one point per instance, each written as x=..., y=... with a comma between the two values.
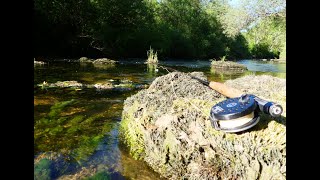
x=269, y=33
x=246, y=13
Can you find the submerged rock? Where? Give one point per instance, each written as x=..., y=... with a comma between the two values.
x=66, y=84
x=228, y=65
x=85, y=60
x=104, y=61
x=123, y=85
x=50, y=165
x=168, y=126
x=224, y=71
x=105, y=85
x=38, y=62
x=104, y=66
x=97, y=61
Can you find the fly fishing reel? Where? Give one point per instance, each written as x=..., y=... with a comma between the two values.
x=241, y=113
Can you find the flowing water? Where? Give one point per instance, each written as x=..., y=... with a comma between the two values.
x=76, y=129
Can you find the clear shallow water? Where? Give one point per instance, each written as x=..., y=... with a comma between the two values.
x=83, y=124
x=264, y=66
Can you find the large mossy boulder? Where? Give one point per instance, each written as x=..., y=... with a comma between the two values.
x=168, y=126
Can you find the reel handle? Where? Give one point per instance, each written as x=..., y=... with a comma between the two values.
x=271, y=108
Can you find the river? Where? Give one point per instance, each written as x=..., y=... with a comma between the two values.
x=81, y=124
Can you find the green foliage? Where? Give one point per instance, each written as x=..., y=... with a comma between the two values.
x=246, y=13
x=283, y=53
x=262, y=23
x=176, y=28
x=238, y=47
x=267, y=38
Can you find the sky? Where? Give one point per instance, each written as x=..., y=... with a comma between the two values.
x=233, y=2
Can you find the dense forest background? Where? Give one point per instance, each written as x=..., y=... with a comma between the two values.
x=174, y=28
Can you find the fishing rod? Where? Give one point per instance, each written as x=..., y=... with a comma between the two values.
x=240, y=111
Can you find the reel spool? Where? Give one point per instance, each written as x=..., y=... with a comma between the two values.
x=235, y=114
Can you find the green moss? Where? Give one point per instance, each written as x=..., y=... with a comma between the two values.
x=73, y=129
x=124, y=85
x=43, y=122
x=62, y=120
x=60, y=131
x=87, y=147
x=107, y=127
x=57, y=108
x=42, y=170
x=130, y=133
x=56, y=130
x=103, y=175
x=76, y=120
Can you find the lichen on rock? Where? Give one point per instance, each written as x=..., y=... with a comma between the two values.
x=168, y=126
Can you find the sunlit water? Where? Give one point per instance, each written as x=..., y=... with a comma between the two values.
x=82, y=124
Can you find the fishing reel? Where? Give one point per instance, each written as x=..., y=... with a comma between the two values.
x=241, y=113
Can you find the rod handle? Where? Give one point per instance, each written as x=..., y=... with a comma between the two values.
x=225, y=90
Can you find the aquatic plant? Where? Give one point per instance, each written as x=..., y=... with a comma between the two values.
x=152, y=69
x=67, y=130
x=223, y=58
x=102, y=175
x=152, y=56
x=42, y=170
x=58, y=107
x=87, y=146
